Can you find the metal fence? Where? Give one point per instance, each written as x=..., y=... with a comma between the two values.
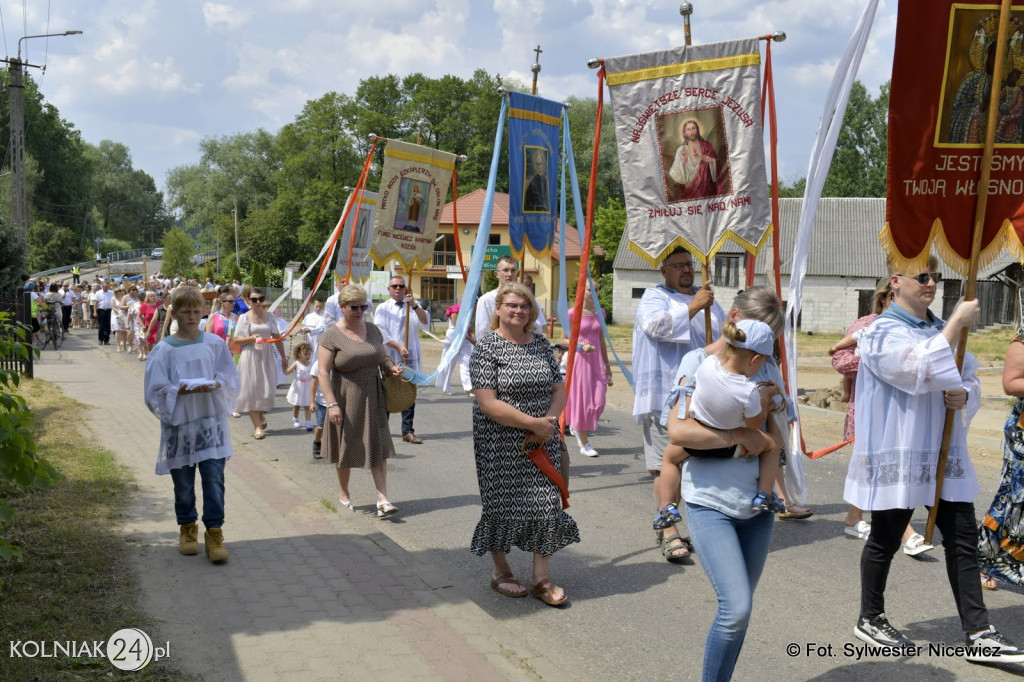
x=17, y=302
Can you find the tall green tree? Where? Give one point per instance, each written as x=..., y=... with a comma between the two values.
x=178, y=250
x=859, y=163
x=126, y=202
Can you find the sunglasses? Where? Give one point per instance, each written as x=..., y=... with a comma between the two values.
x=396, y=286
x=923, y=277
x=359, y=308
x=228, y=300
x=257, y=299
x=517, y=306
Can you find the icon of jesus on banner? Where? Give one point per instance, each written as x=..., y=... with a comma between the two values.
x=696, y=169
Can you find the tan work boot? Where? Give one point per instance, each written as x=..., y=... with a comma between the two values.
x=188, y=540
x=214, y=541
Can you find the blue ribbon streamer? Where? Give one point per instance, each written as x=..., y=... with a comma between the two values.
x=476, y=263
x=563, y=304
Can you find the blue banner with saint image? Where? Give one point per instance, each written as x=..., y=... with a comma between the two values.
x=533, y=168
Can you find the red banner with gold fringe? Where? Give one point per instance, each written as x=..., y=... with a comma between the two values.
x=938, y=104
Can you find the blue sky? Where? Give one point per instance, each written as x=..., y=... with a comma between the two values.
x=160, y=75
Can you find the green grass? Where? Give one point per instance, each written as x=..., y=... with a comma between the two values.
x=75, y=582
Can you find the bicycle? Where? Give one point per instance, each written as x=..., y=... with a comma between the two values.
x=54, y=330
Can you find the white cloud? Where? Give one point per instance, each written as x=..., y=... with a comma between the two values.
x=228, y=16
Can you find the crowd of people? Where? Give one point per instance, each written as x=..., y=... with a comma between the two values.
x=712, y=416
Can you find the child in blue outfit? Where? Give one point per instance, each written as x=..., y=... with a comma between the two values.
x=190, y=386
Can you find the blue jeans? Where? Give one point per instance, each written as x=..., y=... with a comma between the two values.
x=732, y=553
x=212, y=473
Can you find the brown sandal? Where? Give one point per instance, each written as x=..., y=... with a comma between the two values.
x=545, y=591
x=507, y=579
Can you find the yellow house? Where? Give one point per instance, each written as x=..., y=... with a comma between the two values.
x=442, y=284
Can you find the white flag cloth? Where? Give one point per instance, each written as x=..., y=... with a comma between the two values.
x=691, y=149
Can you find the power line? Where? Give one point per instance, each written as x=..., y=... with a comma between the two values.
x=3, y=28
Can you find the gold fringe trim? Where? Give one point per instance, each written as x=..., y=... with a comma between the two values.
x=656, y=261
x=1006, y=238
x=395, y=255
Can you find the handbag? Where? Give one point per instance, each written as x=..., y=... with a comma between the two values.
x=399, y=393
x=539, y=457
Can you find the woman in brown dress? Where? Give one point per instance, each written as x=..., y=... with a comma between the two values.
x=350, y=358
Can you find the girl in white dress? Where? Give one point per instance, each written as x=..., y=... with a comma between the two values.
x=298, y=393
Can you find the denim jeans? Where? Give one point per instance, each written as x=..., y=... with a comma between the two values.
x=732, y=553
x=407, y=417
x=959, y=528
x=212, y=473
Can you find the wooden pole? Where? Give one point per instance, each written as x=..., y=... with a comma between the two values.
x=972, y=273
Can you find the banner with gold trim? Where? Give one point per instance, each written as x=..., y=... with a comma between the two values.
x=691, y=149
x=533, y=129
x=413, y=189
x=938, y=105
x=360, y=219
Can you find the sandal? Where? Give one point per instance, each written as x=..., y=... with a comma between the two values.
x=988, y=582
x=545, y=591
x=667, y=516
x=915, y=545
x=794, y=511
x=508, y=579
x=676, y=554
x=259, y=435
x=385, y=508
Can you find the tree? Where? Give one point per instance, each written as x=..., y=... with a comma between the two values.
x=266, y=241
x=582, y=125
x=50, y=246
x=127, y=205
x=609, y=224
x=859, y=163
x=177, y=253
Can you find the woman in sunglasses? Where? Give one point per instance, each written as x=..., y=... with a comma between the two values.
x=257, y=365
x=349, y=360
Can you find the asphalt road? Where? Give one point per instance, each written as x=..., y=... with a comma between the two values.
x=633, y=615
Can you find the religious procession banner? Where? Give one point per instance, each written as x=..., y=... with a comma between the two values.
x=360, y=220
x=938, y=107
x=533, y=168
x=413, y=188
x=691, y=149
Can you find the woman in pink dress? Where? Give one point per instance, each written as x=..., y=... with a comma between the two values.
x=591, y=376
x=148, y=322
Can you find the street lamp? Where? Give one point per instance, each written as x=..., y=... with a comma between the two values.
x=19, y=202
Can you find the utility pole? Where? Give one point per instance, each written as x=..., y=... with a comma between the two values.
x=238, y=262
x=19, y=202
x=19, y=196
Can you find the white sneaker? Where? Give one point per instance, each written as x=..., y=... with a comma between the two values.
x=992, y=647
x=589, y=450
x=296, y=424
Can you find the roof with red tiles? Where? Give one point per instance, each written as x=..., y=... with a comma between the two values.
x=471, y=208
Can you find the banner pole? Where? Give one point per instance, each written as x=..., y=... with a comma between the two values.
x=976, y=236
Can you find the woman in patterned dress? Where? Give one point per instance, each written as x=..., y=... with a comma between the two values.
x=349, y=360
x=519, y=395
x=257, y=364
x=1001, y=535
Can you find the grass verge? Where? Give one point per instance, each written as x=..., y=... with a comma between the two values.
x=76, y=582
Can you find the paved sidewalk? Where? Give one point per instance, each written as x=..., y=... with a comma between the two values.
x=308, y=593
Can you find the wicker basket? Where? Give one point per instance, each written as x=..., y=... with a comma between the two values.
x=399, y=393
x=210, y=294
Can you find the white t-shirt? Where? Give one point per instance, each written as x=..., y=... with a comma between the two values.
x=485, y=313
x=721, y=399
